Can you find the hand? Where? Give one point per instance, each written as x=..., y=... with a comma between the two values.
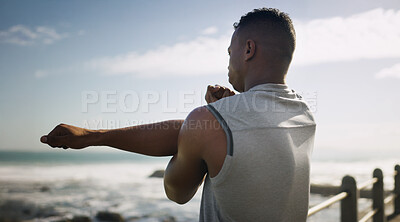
x=217, y=92
x=67, y=136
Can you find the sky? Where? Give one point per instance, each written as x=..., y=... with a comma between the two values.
x=110, y=64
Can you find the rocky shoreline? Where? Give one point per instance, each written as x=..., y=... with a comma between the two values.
x=20, y=210
x=16, y=209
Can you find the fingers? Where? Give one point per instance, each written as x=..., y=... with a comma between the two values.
x=210, y=94
x=226, y=93
x=55, y=141
x=43, y=139
x=217, y=92
x=54, y=138
x=66, y=136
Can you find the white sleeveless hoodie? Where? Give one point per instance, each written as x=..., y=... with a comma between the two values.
x=265, y=176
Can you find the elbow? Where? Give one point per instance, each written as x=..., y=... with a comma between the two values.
x=177, y=200
x=175, y=196
x=181, y=202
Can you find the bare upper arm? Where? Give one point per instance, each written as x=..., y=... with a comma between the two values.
x=201, y=149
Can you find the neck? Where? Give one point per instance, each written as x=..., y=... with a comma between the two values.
x=250, y=83
x=265, y=71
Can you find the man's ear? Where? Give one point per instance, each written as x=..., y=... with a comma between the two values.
x=250, y=49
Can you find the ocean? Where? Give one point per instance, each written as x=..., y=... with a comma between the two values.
x=49, y=186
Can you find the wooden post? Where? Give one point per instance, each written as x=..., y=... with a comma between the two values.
x=378, y=197
x=348, y=206
x=397, y=190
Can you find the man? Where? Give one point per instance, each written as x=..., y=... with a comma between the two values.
x=252, y=148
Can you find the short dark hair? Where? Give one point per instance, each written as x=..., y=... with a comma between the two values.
x=270, y=18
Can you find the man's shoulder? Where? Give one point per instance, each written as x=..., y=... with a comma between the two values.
x=201, y=121
x=202, y=128
x=199, y=113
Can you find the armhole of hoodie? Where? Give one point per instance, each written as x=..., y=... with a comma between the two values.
x=228, y=132
x=222, y=174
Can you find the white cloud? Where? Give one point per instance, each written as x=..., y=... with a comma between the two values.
x=210, y=30
x=370, y=35
x=49, y=35
x=22, y=35
x=200, y=56
x=391, y=72
x=60, y=71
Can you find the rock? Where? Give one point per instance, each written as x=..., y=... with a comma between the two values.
x=152, y=217
x=134, y=219
x=158, y=174
x=168, y=219
x=74, y=219
x=59, y=220
x=44, y=189
x=81, y=219
x=109, y=216
x=21, y=210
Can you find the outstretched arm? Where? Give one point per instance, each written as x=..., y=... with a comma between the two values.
x=187, y=168
x=156, y=139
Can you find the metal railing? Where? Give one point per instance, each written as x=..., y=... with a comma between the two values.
x=349, y=194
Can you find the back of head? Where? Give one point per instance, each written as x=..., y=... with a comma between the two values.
x=270, y=28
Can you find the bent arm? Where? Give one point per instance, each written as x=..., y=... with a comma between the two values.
x=186, y=170
x=156, y=139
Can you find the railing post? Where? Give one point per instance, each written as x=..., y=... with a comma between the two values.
x=397, y=190
x=348, y=206
x=378, y=197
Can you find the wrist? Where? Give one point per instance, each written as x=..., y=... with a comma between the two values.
x=96, y=137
